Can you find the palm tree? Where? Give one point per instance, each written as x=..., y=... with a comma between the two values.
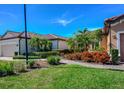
x=49, y=45
x=83, y=40
x=96, y=37
x=71, y=43
x=40, y=44
x=35, y=42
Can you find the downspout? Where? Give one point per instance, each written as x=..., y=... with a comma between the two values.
x=19, y=46
x=110, y=35
x=57, y=44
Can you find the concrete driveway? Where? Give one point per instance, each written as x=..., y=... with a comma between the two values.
x=6, y=58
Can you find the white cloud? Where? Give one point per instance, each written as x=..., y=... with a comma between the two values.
x=65, y=21
x=9, y=14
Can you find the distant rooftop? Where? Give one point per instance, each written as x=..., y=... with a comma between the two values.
x=13, y=34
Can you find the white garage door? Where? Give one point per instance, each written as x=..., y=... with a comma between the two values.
x=8, y=50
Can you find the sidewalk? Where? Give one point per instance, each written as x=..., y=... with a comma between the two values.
x=113, y=67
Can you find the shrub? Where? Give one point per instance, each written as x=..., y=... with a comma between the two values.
x=53, y=60
x=65, y=51
x=31, y=63
x=11, y=67
x=98, y=57
x=19, y=66
x=6, y=68
x=114, y=56
x=87, y=56
x=102, y=57
x=45, y=54
x=73, y=56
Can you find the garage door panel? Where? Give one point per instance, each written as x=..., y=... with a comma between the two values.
x=8, y=50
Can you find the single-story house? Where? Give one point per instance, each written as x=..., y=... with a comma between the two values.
x=14, y=42
x=113, y=35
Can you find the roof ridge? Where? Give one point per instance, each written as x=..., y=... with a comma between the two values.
x=53, y=35
x=114, y=17
x=12, y=31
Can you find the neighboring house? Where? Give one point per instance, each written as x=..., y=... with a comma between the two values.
x=113, y=35
x=14, y=42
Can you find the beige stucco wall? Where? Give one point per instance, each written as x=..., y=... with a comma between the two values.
x=0, y=50
x=59, y=44
x=22, y=46
x=62, y=45
x=54, y=44
x=114, y=29
x=108, y=42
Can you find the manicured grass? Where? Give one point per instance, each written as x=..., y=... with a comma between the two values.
x=65, y=76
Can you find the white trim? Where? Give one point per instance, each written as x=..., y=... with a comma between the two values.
x=118, y=40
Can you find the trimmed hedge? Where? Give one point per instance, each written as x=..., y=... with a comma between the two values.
x=45, y=54
x=114, y=56
x=23, y=57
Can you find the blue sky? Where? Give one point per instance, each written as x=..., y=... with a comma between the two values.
x=62, y=20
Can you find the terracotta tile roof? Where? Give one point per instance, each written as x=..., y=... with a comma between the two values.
x=11, y=34
x=114, y=18
x=52, y=36
x=29, y=35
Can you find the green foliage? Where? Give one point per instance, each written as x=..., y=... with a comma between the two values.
x=99, y=49
x=114, y=56
x=82, y=39
x=53, y=60
x=40, y=44
x=6, y=68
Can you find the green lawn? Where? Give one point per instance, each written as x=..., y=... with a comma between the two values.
x=65, y=76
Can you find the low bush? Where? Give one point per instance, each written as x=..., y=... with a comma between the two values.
x=73, y=56
x=6, y=68
x=19, y=66
x=101, y=57
x=53, y=60
x=87, y=56
x=65, y=51
x=114, y=56
x=31, y=63
x=11, y=67
x=45, y=54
